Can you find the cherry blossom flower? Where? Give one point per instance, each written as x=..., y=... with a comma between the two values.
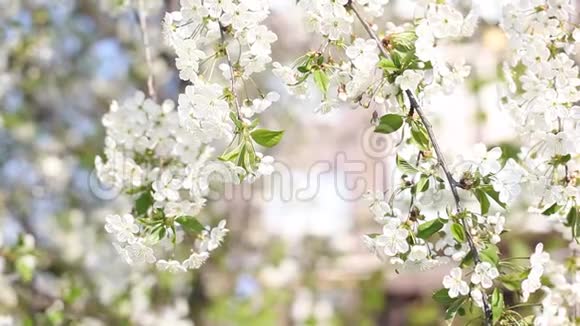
x=172, y=266
x=418, y=253
x=484, y=274
x=409, y=80
x=445, y=21
x=214, y=237
x=123, y=227
x=393, y=241
x=195, y=260
x=455, y=284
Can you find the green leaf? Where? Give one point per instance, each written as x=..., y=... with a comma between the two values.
x=254, y=123
x=72, y=293
x=458, y=232
x=407, y=60
x=235, y=120
x=320, y=59
x=251, y=157
x=572, y=221
x=162, y=232
x=389, y=123
x=321, y=80
x=143, y=203
x=190, y=223
x=241, y=157
x=419, y=134
x=25, y=267
x=427, y=229
x=552, y=209
x=490, y=254
x=267, y=138
x=303, y=69
x=423, y=183
x=483, y=200
x=388, y=65
x=497, y=304
x=493, y=194
x=136, y=190
x=396, y=57
x=305, y=65
x=454, y=307
x=404, y=41
x=513, y=281
x=405, y=166
x=467, y=260
x=560, y=159
x=231, y=155
x=442, y=297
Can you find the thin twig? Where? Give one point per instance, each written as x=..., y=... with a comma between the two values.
x=488, y=320
x=453, y=186
x=232, y=77
x=148, y=57
x=440, y=159
x=369, y=30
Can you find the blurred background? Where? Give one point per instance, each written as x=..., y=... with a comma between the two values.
x=294, y=255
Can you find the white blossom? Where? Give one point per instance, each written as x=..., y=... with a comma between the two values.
x=507, y=182
x=393, y=241
x=455, y=283
x=363, y=53
x=477, y=297
x=538, y=261
x=418, y=253
x=409, y=80
x=444, y=21
x=123, y=227
x=195, y=260
x=172, y=266
x=484, y=274
x=214, y=237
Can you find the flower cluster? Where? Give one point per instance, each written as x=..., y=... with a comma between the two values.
x=149, y=155
x=425, y=237
x=545, y=89
x=415, y=57
x=164, y=156
x=194, y=30
x=436, y=213
x=544, y=85
x=560, y=303
x=538, y=261
x=414, y=234
x=407, y=66
x=206, y=34
x=544, y=80
x=386, y=73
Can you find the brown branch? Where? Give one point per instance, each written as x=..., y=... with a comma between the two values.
x=488, y=320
